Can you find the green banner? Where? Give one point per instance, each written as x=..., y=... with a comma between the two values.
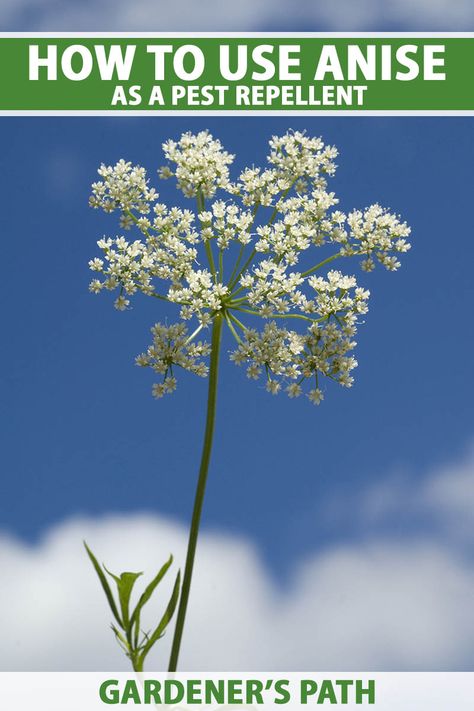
x=305, y=73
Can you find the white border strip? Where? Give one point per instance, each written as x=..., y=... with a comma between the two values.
x=229, y=114
x=393, y=691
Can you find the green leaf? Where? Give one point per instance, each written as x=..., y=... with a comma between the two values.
x=104, y=583
x=125, y=586
x=114, y=577
x=149, y=590
x=164, y=620
x=120, y=639
x=136, y=634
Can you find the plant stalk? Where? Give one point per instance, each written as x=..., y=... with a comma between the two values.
x=200, y=490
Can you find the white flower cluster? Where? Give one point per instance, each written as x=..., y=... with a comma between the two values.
x=167, y=252
x=284, y=355
x=376, y=232
x=300, y=157
x=250, y=253
x=271, y=289
x=226, y=223
x=201, y=164
x=304, y=221
x=172, y=347
x=334, y=297
x=273, y=350
x=122, y=186
x=259, y=187
x=298, y=161
x=201, y=296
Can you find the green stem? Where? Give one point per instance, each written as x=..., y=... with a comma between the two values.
x=270, y=222
x=242, y=248
x=232, y=329
x=194, y=334
x=249, y=261
x=236, y=320
x=210, y=258
x=235, y=293
x=256, y=313
x=137, y=664
x=321, y=264
x=201, y=206
x=221, y=266
x=233, y=304
x=135, y=220
x=237, y=263
x=200, y=491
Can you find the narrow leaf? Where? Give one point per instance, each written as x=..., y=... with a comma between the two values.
x=114, y=577
x=136, y=622
x=104, y=583
x=120, y=638
x=125, y=586
x=164, y=620
x=149, y=590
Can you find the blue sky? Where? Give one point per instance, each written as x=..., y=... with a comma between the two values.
x=82, y=434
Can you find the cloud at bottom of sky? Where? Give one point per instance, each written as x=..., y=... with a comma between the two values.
x=376, y=603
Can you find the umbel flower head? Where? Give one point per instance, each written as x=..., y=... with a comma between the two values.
x=264, y=253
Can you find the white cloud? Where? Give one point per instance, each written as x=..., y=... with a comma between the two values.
x=379, y=604
x=343, y=15
x=383, y=602
x=444, y=499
